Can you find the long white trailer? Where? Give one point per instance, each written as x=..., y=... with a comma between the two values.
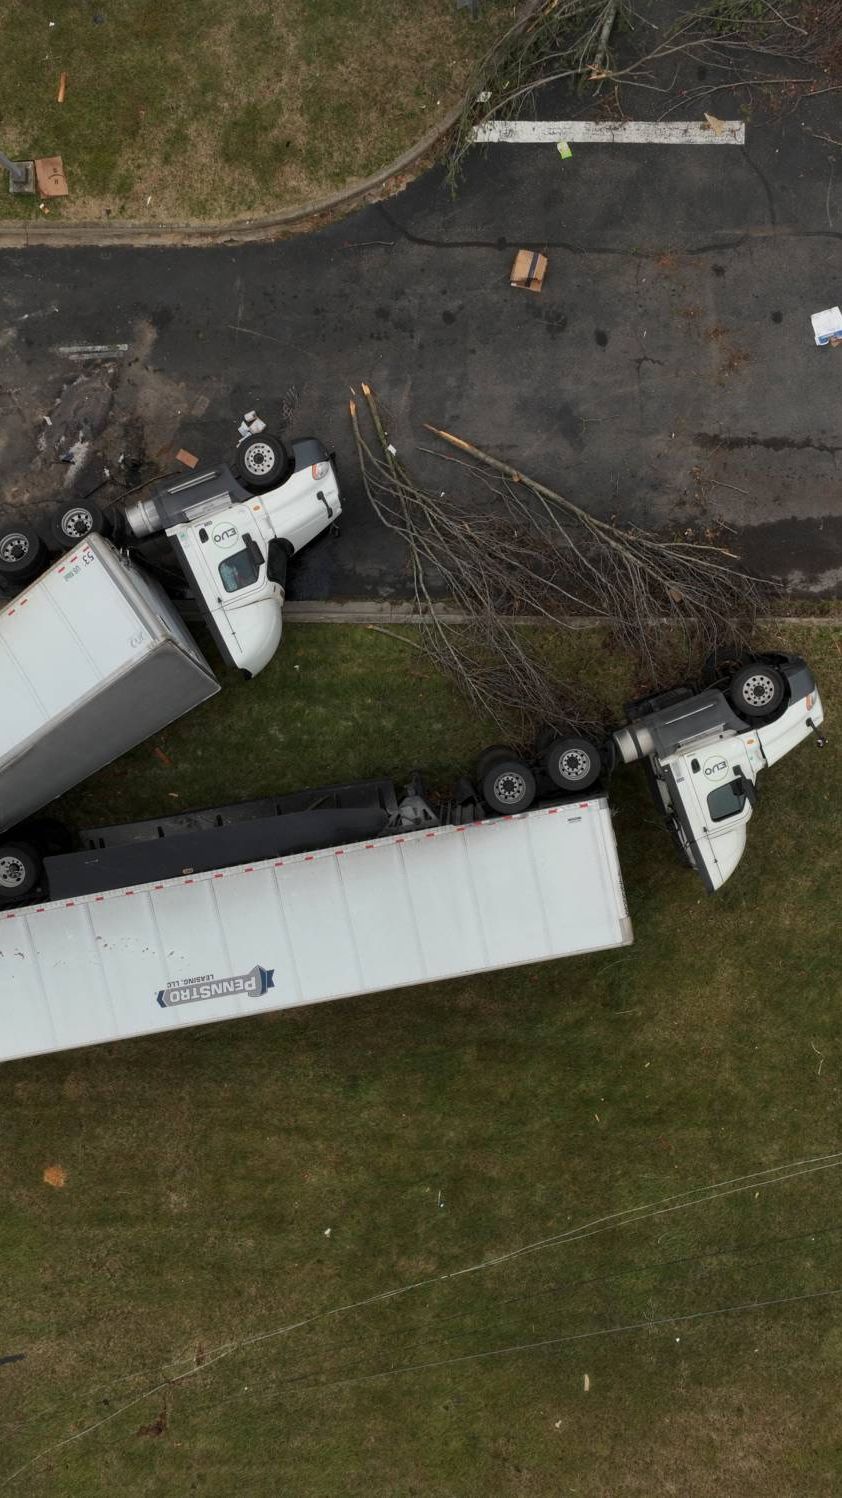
x=440, y=902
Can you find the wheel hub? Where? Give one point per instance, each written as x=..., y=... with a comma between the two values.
x=575, y=764
x=759, y=689
x=510, y=788
x=14, y=547
x=12, y=872
x=77, y=524
x=259, y=459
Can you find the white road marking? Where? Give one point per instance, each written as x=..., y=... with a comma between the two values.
x=594, y=133
x=92, y=350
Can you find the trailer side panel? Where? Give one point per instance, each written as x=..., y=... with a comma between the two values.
x=367, y=917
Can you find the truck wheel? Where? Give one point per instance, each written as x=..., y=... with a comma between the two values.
x=22, y=552
x=492, y=756
x=20, y=872
x=262, y=461
x=573, y=764
x=75, y=521
x=508, y=787
x=757, y=690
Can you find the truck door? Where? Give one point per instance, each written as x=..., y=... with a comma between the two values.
x=713, y=795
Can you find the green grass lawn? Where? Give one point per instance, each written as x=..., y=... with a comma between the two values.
x=190, y=109
x=434, y=1129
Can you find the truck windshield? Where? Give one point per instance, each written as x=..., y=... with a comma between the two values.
x=726, y=800
x=238, y=571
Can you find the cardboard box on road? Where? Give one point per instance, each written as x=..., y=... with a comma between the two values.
x=529, y=270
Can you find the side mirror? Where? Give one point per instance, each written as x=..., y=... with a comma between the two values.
x=745, y=786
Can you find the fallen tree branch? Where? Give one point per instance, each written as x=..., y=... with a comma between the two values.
x=524, y=552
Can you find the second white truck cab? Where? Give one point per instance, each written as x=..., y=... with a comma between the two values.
x=703, y=753
x=233, y=537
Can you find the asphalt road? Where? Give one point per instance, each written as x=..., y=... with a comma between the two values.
x=666, y=372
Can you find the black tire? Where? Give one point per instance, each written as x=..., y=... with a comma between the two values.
x=573, y=764
x=77, y=519
x=492, y=756
x=262, y=462
x=20, y=872
x=757, y=690
x=508, y=787
x=22, y=552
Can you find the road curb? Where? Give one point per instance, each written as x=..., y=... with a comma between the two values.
x=372, y=611
x=22, y=234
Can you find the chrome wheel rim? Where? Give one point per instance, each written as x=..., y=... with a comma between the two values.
x=13, y=547
x=75, y=524
x=12, y=872
x=259, y=459
x=759, y=689
x=575, y=764
x=510, y=788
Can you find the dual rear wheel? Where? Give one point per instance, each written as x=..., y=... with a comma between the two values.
x=24, y=553
x=508, y=784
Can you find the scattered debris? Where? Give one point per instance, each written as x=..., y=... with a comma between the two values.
x=251, y=425
x=54, y=1176
x=188, y=459
x=586, y=1383
x=529, y=270
x=84, y=351
x=827, y=326
x=62, y=88
x=715, y=124
x=328, y=1232
x=13, y=1357
x=564, y=150
x=49, y=174
x=159, y=754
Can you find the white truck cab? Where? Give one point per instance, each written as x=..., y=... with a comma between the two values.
x=233, y=539
x=703, y=753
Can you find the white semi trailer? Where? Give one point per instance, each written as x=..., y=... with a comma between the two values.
x=346, y=890
x=94, y=654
